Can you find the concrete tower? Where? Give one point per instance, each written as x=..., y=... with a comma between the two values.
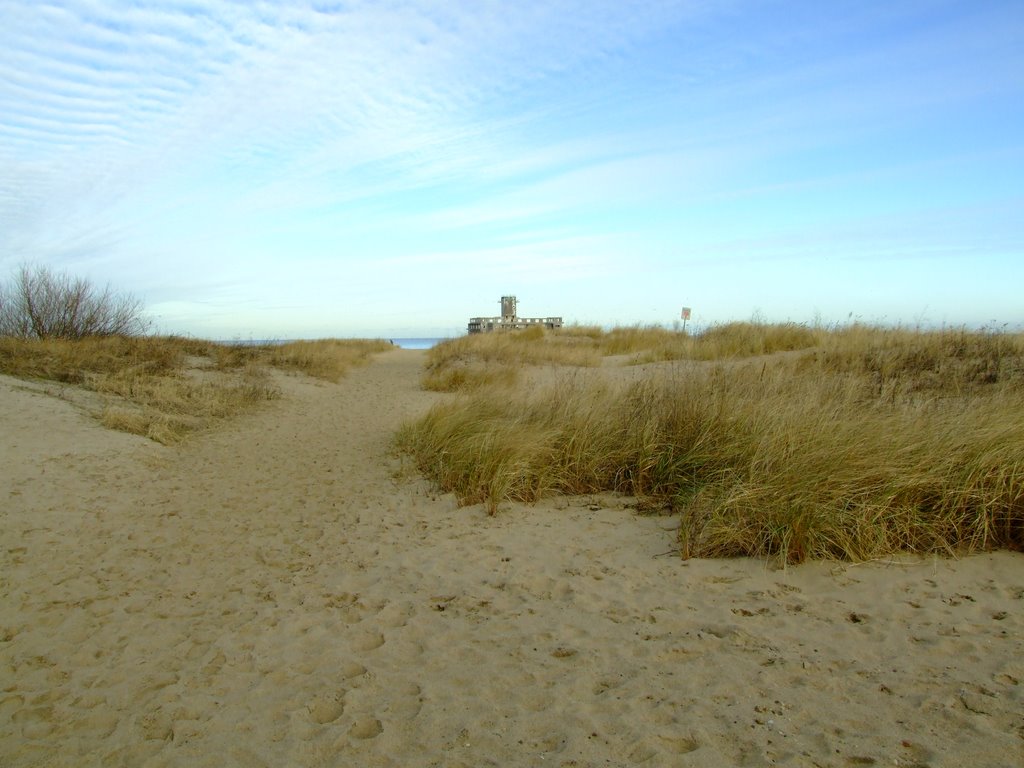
x=508, y=309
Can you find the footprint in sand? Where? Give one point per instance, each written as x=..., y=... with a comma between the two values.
x=680, y=745
x=367, y=641
x=366, y=728
x=351, y=669
x=641, y=753
x=10, y=705
x=408, y=703
x=156, y=726
x=98, y=724
x=327, y=708
x=36, y=723
x=395, y=615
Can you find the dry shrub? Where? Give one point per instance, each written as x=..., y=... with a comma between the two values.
x=39, y=303
x=795, y=457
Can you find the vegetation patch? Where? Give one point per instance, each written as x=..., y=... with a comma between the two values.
x=328, y=359
x=57, y=327
x=470, y=362
x=152, y=387
x=869, y=442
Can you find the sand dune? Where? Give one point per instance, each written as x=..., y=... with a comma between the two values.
x=283, y=592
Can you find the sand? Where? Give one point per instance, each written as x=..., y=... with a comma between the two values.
x=284, y=592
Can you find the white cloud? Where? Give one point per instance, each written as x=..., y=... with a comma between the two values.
x=502, y=138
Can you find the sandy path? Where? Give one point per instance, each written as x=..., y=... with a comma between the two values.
x=277, y=593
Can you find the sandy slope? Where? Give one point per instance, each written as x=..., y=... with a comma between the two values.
x=278, y=593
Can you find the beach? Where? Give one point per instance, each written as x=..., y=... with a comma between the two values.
x=284, y=590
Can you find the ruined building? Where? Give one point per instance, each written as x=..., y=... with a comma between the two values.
x=509, y=320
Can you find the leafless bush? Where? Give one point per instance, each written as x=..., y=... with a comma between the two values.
x=40, y=303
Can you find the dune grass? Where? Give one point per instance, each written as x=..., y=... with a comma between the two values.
x=479, y=360
x=166, y=388
x=871, y=442
x=328, y=359
x=728, y=340
x=485, y=359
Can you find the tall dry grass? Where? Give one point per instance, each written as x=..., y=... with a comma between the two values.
x=728, y=340
x=479, y=360
x=328, y=359
x=485, y=359
x=871, y=443
x=75, y=361
x=168, y=387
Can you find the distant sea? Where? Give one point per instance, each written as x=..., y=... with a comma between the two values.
x=425, y=343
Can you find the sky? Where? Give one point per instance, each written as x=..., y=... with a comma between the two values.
x=280, y=170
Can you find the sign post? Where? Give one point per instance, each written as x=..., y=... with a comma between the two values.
x=686, y=316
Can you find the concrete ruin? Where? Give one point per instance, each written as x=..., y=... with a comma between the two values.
x=510, y=321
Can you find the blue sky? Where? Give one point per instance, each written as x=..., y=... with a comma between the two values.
x=307, y=169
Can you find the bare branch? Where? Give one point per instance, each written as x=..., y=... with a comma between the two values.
x=40, y=303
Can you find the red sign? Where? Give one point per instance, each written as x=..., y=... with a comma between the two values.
x=686, y=313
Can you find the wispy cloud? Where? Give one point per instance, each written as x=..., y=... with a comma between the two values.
x=210, y=137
